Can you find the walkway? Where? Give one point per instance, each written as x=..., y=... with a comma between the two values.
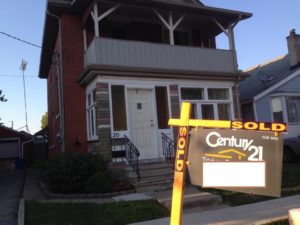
x=257, y=213
x=11, y=184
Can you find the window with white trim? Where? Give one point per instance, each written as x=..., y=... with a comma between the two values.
x=91, y=115
x=293, y=109
x=277, y=109
x=208, y=103
x=286, y=108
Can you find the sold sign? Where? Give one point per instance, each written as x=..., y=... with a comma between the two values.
x=183, y=144
x=181, y=148
x=261, y=126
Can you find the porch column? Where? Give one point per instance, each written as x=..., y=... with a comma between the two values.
x=175, y=106
x=84, y=40
x=232, y=45
x=170, y=24
x=97, y=18
x=230, y=34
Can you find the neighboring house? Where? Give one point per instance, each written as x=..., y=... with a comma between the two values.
x=11, y=146
x=272, y=92
x=118, y=68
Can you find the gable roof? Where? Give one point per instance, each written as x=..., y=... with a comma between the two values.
x=9, y=132
x=265, y=76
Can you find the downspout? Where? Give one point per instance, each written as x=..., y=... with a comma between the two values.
x=60, y=85
x=237, y=94
x=60, y=80
x=236, y=84
x=22, y=152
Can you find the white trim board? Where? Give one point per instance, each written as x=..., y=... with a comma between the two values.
x=274, y=87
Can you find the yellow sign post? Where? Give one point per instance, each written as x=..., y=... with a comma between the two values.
x=183, y=144
x=180, y=163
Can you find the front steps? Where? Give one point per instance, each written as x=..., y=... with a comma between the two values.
x=194, y=200
x=157, y=180
x=154, y=176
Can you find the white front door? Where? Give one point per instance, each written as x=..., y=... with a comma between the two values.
x=141, y=122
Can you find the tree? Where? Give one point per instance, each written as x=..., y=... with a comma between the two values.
x=44, y=120
x=2, y=97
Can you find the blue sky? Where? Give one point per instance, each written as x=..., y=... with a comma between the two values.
x=258, y=39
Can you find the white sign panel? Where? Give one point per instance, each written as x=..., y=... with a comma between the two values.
x=234, y=174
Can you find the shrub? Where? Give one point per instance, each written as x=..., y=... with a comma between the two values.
x=100, y=182
x=68, y=173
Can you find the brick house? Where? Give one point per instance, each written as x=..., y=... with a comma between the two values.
x=119, y=67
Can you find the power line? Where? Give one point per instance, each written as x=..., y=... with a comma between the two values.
x=19, y=39
x=11, y=75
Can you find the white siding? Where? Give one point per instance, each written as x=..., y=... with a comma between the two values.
x=138, y=54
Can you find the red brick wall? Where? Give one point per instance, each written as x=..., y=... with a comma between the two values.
x=53, y=110
x=102, y=146
x=73, y=93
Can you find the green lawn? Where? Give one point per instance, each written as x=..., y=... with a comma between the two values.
x=279, y=222
x=290, y=179
x=117, y=213
x=291, y=175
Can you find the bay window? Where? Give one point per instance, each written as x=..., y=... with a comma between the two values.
x=91, y=115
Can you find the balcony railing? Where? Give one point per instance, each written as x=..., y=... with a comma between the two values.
x=137, y=54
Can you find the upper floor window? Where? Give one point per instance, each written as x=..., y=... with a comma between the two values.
x=91, y=115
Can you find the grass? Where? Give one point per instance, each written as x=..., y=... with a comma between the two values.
x=290, y=179
x=279, y=222
x=291, y=175
x=116, y=213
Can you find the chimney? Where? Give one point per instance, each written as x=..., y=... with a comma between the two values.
x=294, y=48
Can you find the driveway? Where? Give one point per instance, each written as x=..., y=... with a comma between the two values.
x=11, y=185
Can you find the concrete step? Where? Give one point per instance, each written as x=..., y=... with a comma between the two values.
x=152, y=180
x=193, y=198
x=149, y=166
x=150, y=170
x=151, y=173
x=153, y=186
x=156, y=176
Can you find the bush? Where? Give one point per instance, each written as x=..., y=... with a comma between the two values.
x=100, y=182
x=68, y=173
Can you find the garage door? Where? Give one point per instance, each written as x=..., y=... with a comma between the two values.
x=9, y=149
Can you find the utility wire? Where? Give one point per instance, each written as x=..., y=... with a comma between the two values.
x=19, y=39
x=11, y=75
